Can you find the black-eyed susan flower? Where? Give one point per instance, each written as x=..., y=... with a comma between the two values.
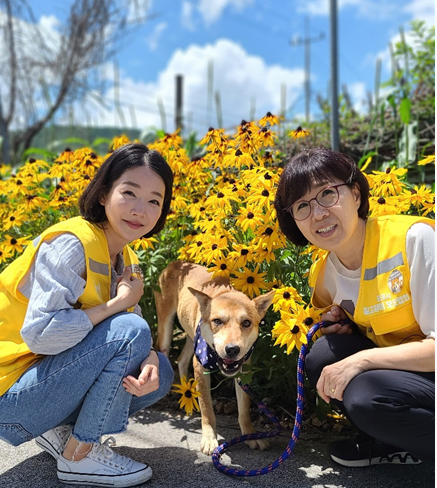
x=221, y=199
x=249, y=217
x=13, y=219
x=249, y=282
x=299, y=133
x=388, y=205
x=240, y=255
x=290, y=331
x=285, y=298
x=189, y=395
x=14, y=244
x=221, y=267
x=237, y=159
x=119, y=141
x=388, y=182
x=215, y=139
x=418, y=196
x=143, y=243
x=268, y=119
x=5, y=255
x=265, y=137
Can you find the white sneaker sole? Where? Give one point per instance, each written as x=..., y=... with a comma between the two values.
x=120, y=481
x=395, y=458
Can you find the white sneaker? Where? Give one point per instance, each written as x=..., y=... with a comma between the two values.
x=53, y=441
x=103, y=467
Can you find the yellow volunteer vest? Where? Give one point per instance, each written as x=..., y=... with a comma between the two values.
x=15, y=356
x=383, y=311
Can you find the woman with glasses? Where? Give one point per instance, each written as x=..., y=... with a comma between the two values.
x=380, y=274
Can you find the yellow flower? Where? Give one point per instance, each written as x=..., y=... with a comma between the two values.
x=13, y=219
x=221, y=267
x=240, y=255
x=427, y=160
x=215, y=139
x=250, y=217
x=418, y=196
x=119, y=141
x=249, y=282
x=265, y=137
x=188, y=400
x=5, y=254
x=237, y=159
x=246, y=136
x=15, y=244
x=290, y=330
x=221, y=199
x=143, y=243
x=285, y=298
x=269, y=119
x=299, y=132
x=387, y=182
x=387, y=206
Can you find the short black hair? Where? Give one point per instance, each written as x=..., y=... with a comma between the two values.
x=126, y=157
x=315, y=166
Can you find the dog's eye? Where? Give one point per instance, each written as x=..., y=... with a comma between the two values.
x=246, y=324
x=217, y=322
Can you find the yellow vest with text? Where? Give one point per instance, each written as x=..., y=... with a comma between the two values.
x=15, y=356
x=383, y=311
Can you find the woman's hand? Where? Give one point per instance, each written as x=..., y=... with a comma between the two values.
x=148, y=380
x=335, y=315
x=129, y=289
x=335, y=378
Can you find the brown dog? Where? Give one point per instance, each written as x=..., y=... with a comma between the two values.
x=227, y=322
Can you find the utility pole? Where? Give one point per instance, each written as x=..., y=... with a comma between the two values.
x=335, y=137
x=306, y=41
x=178, y=111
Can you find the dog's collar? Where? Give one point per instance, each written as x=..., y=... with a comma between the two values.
x=206, y=355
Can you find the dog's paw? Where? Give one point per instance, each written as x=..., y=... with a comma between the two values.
x=208, y=444
x=260, y=444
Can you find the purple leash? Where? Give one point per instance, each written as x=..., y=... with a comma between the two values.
x=261, y=435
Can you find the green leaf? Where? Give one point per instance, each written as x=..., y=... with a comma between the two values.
x=38, y=150
x=405, y=110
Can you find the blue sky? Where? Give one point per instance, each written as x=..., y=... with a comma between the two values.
x=247, y=47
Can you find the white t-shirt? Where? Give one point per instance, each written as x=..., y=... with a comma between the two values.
x=342, y=284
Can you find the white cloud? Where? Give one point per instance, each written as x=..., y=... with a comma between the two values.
x=358, y=94
x=187, y=15
x=155, y=36
x=239, y=77
x=421, y=10
x=212, y=11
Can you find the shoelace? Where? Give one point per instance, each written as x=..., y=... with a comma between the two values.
x=104, y=453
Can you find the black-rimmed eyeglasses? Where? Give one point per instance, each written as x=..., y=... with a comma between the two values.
x=326, y=198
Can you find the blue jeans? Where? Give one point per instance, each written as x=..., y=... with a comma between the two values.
x=83, y=385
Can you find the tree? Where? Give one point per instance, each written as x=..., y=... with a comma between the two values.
x=44, y=71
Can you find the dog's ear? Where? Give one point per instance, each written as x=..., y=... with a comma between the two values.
x=203, y=299
x=263, y=302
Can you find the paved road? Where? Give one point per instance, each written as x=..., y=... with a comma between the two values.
x=169, y=442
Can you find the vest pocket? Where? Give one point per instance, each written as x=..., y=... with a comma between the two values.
x=14, y=434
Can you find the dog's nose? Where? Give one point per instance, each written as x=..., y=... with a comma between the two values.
x=232, y=351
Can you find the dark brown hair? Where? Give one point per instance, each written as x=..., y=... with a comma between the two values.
x=122, y=159
x=315, y=166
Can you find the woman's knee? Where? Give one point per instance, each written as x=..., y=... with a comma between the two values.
x=132, y=328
